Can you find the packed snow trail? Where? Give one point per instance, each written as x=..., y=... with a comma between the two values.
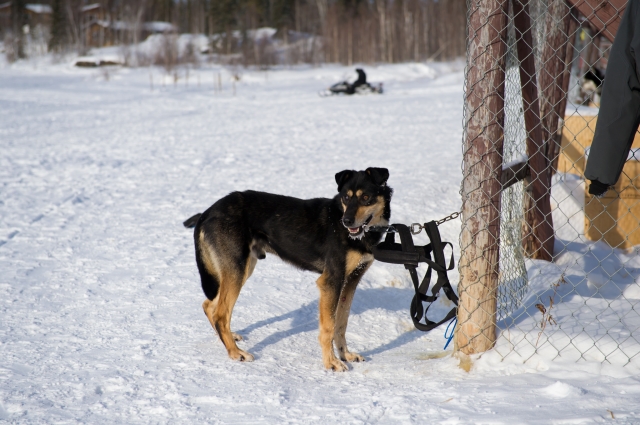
x=100, y=302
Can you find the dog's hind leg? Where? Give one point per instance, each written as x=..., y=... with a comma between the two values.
x=230, y=285
x=224, y=268
x=207, y=259
x=329, y=293
x=355, y=268
x=209, y=308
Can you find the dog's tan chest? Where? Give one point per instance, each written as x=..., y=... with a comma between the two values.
x=357, y=260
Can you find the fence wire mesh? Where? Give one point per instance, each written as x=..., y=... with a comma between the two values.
x=545, y=266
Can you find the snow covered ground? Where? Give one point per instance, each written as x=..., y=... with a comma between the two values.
x=100, y=302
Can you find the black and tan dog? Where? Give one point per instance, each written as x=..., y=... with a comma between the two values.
x=327, y=236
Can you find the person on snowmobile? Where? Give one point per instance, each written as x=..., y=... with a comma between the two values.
x=361, y=81
x=359, y=86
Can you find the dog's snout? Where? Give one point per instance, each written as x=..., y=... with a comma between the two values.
x=347, y=221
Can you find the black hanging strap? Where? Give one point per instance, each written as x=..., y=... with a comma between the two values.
x=410, y=255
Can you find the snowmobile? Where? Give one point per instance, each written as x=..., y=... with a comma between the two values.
x=360, y=86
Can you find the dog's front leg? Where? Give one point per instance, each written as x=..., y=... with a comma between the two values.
x=344, y=307
x=329, y=288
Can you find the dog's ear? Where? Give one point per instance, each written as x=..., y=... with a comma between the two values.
x=342, y=177
x=378, y=175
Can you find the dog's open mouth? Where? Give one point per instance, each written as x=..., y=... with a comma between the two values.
x=355, y=230
x=358, y=232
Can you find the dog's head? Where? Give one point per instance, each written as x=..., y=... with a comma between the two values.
x=365, y=197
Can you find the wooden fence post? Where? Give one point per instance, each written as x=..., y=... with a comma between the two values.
x=484, y=130
x=537, y=234
x=557, y=54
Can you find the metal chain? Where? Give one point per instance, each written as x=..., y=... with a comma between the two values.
x=451, y=216
x=417, y=227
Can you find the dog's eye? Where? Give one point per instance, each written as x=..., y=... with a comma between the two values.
x=346, y=198
x=366, y=198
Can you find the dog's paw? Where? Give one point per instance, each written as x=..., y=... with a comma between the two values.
x=336, y=365
x=236, y=337
x=353, y=357
x=241, y=356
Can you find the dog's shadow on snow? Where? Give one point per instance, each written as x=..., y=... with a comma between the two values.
x=305, y=318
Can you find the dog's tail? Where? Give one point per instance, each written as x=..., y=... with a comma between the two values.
x=191, y=222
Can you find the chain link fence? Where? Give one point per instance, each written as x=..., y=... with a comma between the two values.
x=545, y=269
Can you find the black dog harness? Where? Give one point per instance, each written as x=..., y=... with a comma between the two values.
x=411, y=256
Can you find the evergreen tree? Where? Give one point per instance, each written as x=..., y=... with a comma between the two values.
x=283, y=14
x=59, y=38
x=224, y=14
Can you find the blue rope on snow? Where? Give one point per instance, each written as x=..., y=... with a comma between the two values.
x=450, y=336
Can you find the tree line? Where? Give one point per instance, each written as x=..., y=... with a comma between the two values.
x=345, y=31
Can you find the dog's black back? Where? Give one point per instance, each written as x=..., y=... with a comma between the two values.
x=305, y=233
